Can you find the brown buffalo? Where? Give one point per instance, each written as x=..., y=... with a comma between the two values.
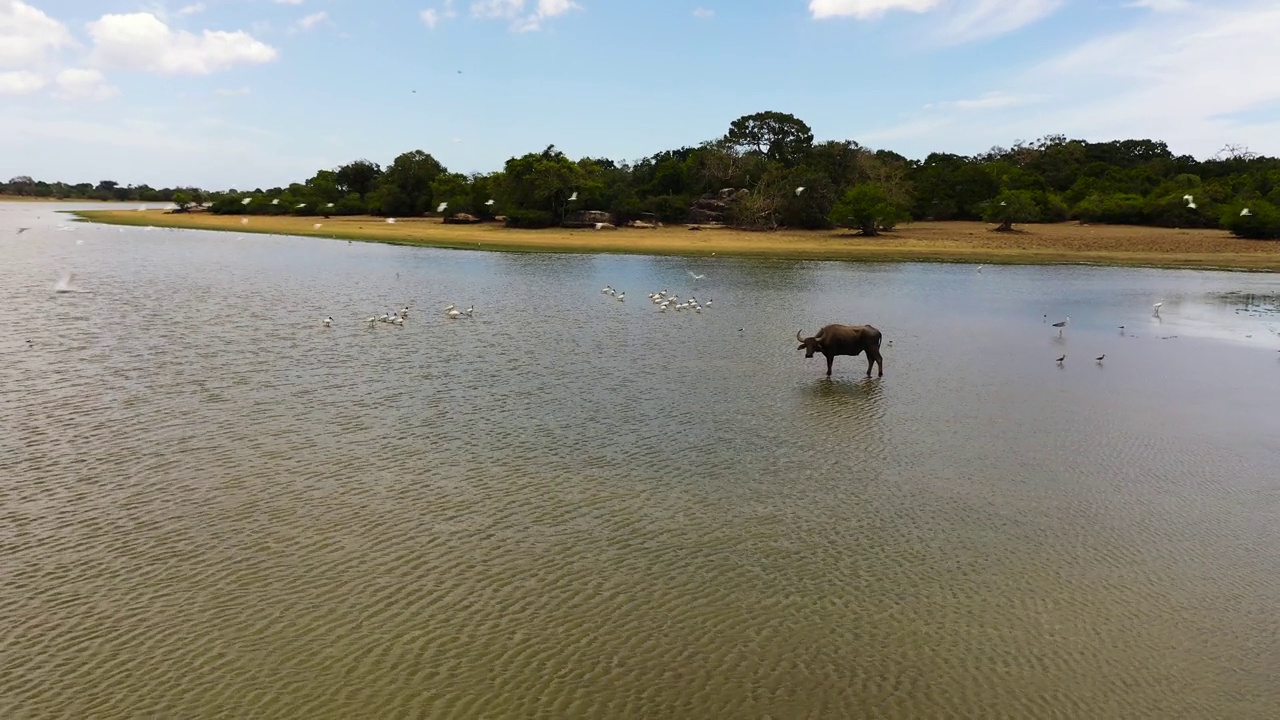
x=836, y=339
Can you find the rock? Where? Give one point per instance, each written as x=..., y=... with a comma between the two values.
x=461, y=219
x=711, y=208
x=587, y=218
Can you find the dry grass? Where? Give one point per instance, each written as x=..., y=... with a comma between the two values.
x=927, y=241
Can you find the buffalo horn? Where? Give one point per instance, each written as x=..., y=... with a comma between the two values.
x=798, y=338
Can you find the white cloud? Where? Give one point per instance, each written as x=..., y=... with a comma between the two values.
x=703, y=14
x=432, y=17
x=232, y=92
x=515, y=13
x=865, y=9
x=1197, y=79
x=84, y=84
x=313, y=21
x=27, y=36
x=958, y=20
x=140, y=41
x=1160, y=5
x=193, y=9
x=986, y=101
x=21, y=82
x=289, y=2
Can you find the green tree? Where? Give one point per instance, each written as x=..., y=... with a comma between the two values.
x=1256, y=220
x=868, y=208
x=357, y=177
x=780, y=137
x=1012, y=206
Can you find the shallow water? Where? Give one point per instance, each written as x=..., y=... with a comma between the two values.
x=570, y=506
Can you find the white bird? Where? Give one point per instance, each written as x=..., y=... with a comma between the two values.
x=327, y=321
x=1245, y=212
x=246, y=201
x=1187, y=198
x=695, y=276
x=799, y=190
x=397, y=320
x=371, y=320
x=607, y=289
x=317, y=226
x=1191, y=206
x=453, y=314
x=329, y=205
x=275, y=201
x=299, y=206
x=490, y=201
x=621, y=296
x=391, y=221
x=574, y=196
x=66, y=283
x=1062, y=324
x=980, y=267
x=1156, y=308
x=440, y=208
x=448, y=308
x=471, y=309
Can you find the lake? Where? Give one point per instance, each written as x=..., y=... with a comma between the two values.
x=571, y=506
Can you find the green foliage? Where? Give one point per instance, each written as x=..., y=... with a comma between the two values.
x=1012, y=206
x=530, y=219
x=770, y=154
x=1261, y=223
x=868, y=207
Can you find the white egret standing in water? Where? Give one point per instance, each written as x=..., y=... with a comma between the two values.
x=1155, y=309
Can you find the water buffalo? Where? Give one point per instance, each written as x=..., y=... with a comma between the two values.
x=836, y=339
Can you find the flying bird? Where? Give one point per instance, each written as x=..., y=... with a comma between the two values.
x=696, y=276
x=489, y=201
x=799, y=190
x=440, y=208
x=574, y=196
x=1245, y=212
x=391, y=221
x=317, y=226
x=275, y=201
x=22, y=230
x=246, y=201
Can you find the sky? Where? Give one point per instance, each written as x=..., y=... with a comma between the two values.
x=259, y=93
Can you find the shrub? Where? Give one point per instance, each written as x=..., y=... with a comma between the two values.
x=1262, y=222
x=530, y=219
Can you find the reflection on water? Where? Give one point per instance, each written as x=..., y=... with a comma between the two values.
x=569, y=506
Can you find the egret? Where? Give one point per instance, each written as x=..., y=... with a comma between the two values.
x=574, y=196
x=391, y=221
x=329, y=205
x=275, y=201
x=440, y=208
x=1156, y=308
x=980, y=267
x=246, y=201
x=1245, y=212
x=1062, y=324
x=317, y=226
x=799, y=190
x=696, y=276
x=490, y=201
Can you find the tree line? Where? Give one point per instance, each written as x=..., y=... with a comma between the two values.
x=781, y=177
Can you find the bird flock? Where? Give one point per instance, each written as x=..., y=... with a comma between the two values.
x=1062, y=325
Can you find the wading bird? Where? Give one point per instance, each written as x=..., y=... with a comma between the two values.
x=1062, y=324
x=1100, y=358
x=1059, y=360
x=1155, y=309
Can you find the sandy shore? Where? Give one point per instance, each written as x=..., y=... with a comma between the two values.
x=970, y=242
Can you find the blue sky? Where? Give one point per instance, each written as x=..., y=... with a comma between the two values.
x=255, y=93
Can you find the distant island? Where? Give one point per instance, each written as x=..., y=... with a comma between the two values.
x=765, y=173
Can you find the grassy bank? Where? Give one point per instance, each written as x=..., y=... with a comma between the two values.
x=921, y=242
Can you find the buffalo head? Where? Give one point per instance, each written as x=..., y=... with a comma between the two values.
x=810, y=345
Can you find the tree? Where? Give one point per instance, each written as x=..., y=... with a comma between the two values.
x=182, y=200
x=541, y=182
x=357, y=177
x=1257, y=220
x=1011, y=206
x=867, y=207
x=780, y=137
x=408, y=181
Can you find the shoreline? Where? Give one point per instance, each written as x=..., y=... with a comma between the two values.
x=946, y=242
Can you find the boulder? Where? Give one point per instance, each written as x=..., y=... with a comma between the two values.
x=587, y=218
x=711, y=208
x=461, y=219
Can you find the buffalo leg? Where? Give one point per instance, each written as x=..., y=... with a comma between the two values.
x=874, y=357
x=830, y=359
